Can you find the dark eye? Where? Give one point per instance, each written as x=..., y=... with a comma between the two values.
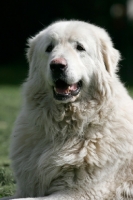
x=49, y=48
x=80, y=47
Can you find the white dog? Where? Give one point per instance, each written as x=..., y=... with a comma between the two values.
x=73, y=139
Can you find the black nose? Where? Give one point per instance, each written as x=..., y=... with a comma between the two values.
x=58, y=65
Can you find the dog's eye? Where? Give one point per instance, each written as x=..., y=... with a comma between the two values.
x=80, y=47
x=49, y=48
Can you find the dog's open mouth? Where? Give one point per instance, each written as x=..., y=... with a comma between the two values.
x=63, y=91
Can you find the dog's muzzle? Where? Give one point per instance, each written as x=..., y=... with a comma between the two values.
x=61, y=89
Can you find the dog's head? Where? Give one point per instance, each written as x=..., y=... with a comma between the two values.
x=66, y=55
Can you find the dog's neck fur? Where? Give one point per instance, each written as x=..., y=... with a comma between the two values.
x=73, y=117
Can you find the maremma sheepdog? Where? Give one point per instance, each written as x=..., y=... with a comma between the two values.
x=73, y=139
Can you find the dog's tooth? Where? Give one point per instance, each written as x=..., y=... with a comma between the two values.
x=69, y=89
x=66, y=92
x=55, y=90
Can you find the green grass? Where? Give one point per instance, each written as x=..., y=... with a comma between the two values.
x=10, y=101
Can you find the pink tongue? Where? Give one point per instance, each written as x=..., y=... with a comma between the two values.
x=66, y=90
x=73, y=87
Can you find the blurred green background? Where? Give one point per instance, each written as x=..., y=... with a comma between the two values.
x=21, y=20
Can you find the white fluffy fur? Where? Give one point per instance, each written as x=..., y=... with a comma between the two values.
x=80, y=149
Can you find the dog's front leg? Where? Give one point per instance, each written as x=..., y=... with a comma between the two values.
x=55, y=196
x=51, y=197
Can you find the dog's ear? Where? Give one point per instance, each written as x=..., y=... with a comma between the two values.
x=110, y=55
